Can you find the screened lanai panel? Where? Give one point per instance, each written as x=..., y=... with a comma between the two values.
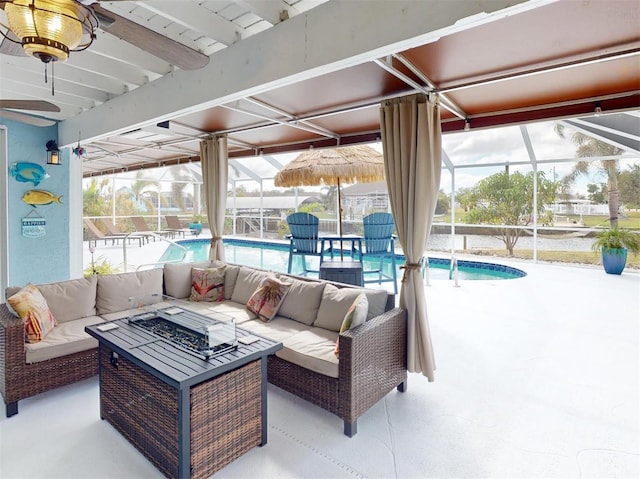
x=623, y=129
x=485, y=147
x=549, y=144
x=557, y=155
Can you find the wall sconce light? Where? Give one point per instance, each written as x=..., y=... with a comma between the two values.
x=53, y=153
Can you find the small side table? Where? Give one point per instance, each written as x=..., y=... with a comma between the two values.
x=349, y=272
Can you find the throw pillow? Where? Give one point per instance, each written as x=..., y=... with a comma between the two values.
x=356, y=315
x=267, y=298
x=34, y=311
x=207, y=284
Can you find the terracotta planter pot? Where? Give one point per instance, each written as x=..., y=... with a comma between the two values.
x=614, y=260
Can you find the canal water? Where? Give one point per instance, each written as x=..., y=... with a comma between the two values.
x=442, y=242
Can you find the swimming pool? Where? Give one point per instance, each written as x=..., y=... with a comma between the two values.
x=274, y=256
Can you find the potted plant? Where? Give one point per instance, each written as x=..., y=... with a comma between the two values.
x=614, y=244
x=196, y=225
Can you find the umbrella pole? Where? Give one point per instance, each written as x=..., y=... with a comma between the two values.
x=340, y=219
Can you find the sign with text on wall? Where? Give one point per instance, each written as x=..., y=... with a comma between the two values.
x=33, y=225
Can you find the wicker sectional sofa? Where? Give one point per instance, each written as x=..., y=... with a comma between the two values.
x=371, y=362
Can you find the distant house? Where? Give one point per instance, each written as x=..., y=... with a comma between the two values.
x=578, y=206
x=271, y=205
x=167, y=202
x=363, y=198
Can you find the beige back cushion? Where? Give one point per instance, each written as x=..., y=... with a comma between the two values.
x=177, y=278
x=336, y=302
x=114, y=290
x=246, y=284
x=71, y=299
x=67, y=300
x=230, y=280
x=302, y=301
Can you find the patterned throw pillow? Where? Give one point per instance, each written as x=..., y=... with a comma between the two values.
x=356, y=315
x=267, y=298
x=34, y=311
x=207, y=284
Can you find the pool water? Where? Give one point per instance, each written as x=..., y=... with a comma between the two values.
x=275, y=256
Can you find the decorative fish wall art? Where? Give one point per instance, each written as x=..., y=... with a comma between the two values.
x=25, y=172
x=40, y=197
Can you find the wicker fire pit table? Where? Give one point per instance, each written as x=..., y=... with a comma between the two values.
x=189, y=414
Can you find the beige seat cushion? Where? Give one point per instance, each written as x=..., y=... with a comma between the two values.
x=247, y=282
x=313, y=349
x=336, y=302
x=66, y=338
x=278, y=329
x=302, y=301
x=114, y=290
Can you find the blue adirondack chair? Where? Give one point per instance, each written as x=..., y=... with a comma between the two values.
x=378, y=244
x=303, y=240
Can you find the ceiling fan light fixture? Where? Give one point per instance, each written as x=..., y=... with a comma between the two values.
x=50, y=29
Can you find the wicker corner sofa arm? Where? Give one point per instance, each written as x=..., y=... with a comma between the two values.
x=373, y=361
x=12, y=339
x=19, y=380
x=12, y=355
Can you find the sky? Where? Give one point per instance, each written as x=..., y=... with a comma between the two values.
x=483, y=147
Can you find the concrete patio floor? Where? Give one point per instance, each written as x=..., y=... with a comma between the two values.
x=536, y=377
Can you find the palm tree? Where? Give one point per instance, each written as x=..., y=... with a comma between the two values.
x=588, y=147
x=330, y=197
x=141, y=185
x=96, y=198
x=181, y=177
x=467, y=198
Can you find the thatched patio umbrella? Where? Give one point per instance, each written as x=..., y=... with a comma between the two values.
x=350, y=164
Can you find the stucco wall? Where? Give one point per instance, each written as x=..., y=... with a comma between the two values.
x=44, y=259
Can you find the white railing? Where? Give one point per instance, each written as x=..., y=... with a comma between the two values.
x=155, y=263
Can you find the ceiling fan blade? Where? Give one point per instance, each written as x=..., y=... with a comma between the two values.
x=31, y=120
x=165, y=48
x=35, y=105
x=7, y=47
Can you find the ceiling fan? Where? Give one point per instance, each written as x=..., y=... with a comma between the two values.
x=84, y=18
x=8, y=107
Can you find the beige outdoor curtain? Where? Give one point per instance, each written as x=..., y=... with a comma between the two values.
x=411, y=138
x=215, y=173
